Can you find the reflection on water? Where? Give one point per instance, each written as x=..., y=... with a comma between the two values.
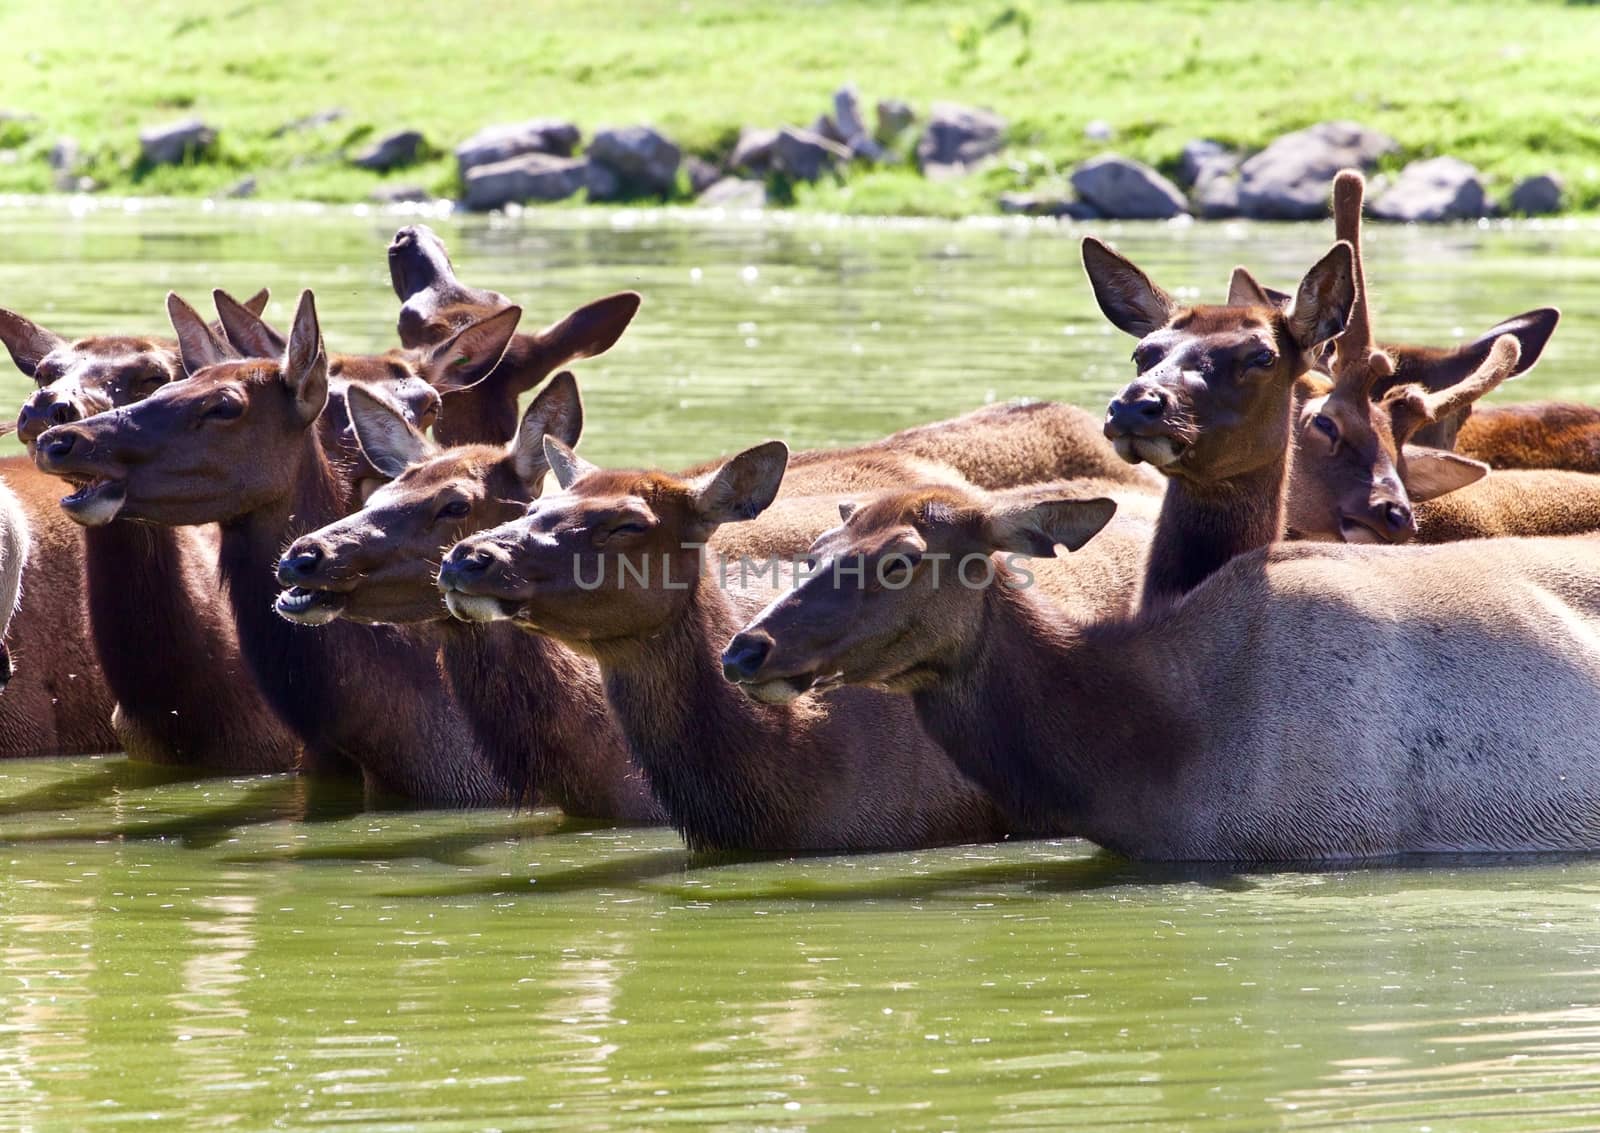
x=250, y=953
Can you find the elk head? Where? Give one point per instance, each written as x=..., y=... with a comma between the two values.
x=381, y=564
x=614, y=554
x=894, y=595
x=1214, y=386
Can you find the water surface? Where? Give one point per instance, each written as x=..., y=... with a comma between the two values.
x=222, y=954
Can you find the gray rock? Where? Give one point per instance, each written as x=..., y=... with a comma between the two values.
x=642, y=156
x=1124, y=189
x=604, y=183
x=805, y=156
x=734, y=193
x=895, y=117
x=400, y=194
x=1539, y=195
x=1290, y=179
x=494, y=144
x=1218, y=198
x=390, y=151
x=754, y=150
x=242, y=189
x=958, y=137
x=64, y=154
x=701, y=173
x=1018, y=203
x=1099, y=130
x=825, y=127
x=1201, y=158
x=852, y=127
x=172, y=143
x=530, y=177
x=310, y=122
x=1438, y=189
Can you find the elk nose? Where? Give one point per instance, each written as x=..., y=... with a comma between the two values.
x=300, y=563
x=43, y=411
x=1397, y=518
x=745, y=655
x=466, y=562
x=58, y=444
x=1136, y=409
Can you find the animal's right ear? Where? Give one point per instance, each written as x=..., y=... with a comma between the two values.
x=27, y=341
x=1036, y=528
x=198, y=345
x=305, y=363
x=744, y=487
x=590, y=330
x=847, y=508
x=471, y=354
x=244, y=328
x=1324, y=299
x=555, y=411
x=567, y=466
x=386, y=438
x=1431, y=472
x=1126, y=296
x=1440, y=369
x=1244, y=290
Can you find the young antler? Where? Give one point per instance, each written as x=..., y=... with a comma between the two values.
x=1357, y=363
x=1413, y=406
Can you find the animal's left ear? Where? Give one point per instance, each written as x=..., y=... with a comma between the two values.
x=555, y=411
x=471, y=354
x=27, y=341
x=744, y=487
x=1244, y=290
x=386, y=438
x=1431, y=472
x=1036, y=529
x=1126, y=296
x=305, y=364
x=1324, y=299
x=567, y=466
x=590, y=330
x=244, y=329
x=198, y=345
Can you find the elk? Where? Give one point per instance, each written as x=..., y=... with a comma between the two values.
x=1211, y=406
x=160, y=632
x=851, y=773
x=237, y=444
x=1469, y=721
x=464, y=337
x=537, y=707
x=15, y=542
x=1359, y=466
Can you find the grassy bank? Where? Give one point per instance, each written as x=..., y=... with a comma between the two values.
x=1507, y=86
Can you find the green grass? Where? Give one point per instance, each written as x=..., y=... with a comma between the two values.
x=1508, y=86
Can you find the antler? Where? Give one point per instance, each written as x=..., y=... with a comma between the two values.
x=1357, y=363
x=1414, y=406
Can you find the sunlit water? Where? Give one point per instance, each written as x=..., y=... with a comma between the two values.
x=219, y=954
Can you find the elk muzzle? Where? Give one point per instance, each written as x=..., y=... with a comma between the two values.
x=1140, y=426
x=45, y=409
x=474, y=580
x=68, y=451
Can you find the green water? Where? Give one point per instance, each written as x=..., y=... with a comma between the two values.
x=215, y=954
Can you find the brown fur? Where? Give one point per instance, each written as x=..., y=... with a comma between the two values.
x=1164, y=735
x=851, y=773
x=1538, y=434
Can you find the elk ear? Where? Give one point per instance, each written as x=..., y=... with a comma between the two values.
x=1432, y=472
x=244, y=328
x=257, y=303
x=847, y=508
x=1440, y=369
x=1035, y=529
x=567, y=466
x=471, y=354
x=305, y=364
x=556, y=411
x=27, y=341
x=386, y=438
x=590, y=330
x=198, y=345
x=1323, y=302
x=744, y=487
x=1244, y=290
x=1126, y=296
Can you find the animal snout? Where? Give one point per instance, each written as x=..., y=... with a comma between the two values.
x=468, y=562
x=61, y=443
x=745, y=655
x=44, y=410
x=1136, y=409
x=1395, y=517
x=300, y=562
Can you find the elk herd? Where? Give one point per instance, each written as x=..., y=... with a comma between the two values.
x=1292, y=598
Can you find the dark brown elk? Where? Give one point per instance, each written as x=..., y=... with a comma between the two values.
x=537, y=707
x=237, y=443
x=1211, y=407
x=1444, y=699
x=15, y=544
x=851, y=773
x=161, y=632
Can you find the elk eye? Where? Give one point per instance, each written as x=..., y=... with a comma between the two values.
x=895, y=569
x=226, y=410
x=628, y=527
x=1262, y=359
x=1146, y=356
x=455, y=509
x=1326, y=426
